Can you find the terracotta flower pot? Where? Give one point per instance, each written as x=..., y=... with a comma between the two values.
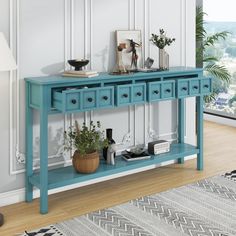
x=87, y=163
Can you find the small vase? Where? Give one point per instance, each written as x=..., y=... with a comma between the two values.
x=87, y=163
x=163, y=59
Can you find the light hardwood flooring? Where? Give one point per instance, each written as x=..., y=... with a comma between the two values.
x=219, y=156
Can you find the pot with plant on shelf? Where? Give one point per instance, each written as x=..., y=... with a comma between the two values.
x=161, y=41
x=87, y=141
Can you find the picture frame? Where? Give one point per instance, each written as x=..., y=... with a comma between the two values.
x=130, y=44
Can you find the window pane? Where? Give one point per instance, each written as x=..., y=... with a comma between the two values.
x=221, y=17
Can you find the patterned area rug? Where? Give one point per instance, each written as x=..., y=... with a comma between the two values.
x=207, y=207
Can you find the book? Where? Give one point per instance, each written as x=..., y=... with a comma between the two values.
x=81, y=72
x=79, y=76
x=131, y=157
x=149, y=70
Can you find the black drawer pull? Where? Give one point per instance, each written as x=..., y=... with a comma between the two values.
x=206, y=86
x=90, y=99
x=168, y=90
x=155, y=91
x=139, y=94
x=184, y=89
x=105, y=98
x=195, y=87
x=73, y=101
x=125, y=95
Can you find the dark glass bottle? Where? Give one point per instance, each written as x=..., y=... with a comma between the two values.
x=110, y=141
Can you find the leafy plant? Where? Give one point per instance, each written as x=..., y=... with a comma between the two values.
x=210, y=63
x=86, y=140
x=161, y=40
x=232, y=100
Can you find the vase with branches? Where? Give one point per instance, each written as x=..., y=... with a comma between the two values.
x=161, y=41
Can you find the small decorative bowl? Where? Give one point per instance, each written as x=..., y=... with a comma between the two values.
x=136, y=150
x=78, y=64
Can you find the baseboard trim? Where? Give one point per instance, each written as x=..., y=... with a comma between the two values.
x=18, y=195
x=220, y=120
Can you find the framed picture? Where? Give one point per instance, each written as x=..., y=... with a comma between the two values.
x=129, y=45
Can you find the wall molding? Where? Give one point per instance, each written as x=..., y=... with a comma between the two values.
x=11, y=129
x=69, y=38
x=183, y=55
x=91, y=34
x=14, y=90
x=15, y=152
x=183, y=32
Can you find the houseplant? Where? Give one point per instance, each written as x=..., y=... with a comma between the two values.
x=210, y=63
x=161, y=41
x=87, y=141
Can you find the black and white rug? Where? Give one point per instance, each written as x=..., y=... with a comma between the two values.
x=207, y=207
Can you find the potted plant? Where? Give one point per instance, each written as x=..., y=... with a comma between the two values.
x=161, y=41
x=87, y=141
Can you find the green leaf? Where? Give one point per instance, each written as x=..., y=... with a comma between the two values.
x=210, y=98
x=218, y=71
x=85, y=140
x=209, y=62
x=210, y=59
x=200, y=31
x=212, y=39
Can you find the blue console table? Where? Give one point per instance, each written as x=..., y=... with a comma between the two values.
x=56, y=94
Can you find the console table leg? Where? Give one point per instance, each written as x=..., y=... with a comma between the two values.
x=43, y=159
x=200, y=132
x=29, y=147
x=181, y=124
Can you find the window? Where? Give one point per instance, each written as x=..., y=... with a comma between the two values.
x=220, y=17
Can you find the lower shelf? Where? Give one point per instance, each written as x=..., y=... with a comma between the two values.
x=66, y=175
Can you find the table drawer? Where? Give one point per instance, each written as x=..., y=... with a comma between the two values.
x=161, y=90
x=127, y=94
x=168, y=90
x=89, y=99
x=139, y=93
x=66, y=100
x=183, y=88
x=106, y=97
x=195, y=87
x=188, y=87
x=206, y=86
x=83, y=99
x=154, y=91
x=123, y=95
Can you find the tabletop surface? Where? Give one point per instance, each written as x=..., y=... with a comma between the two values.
x=58, y=79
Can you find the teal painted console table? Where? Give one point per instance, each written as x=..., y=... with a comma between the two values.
x=56, y=94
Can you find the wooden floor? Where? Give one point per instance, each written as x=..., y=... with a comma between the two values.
x=219, y=156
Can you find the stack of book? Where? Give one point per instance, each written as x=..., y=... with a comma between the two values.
x=80, y=73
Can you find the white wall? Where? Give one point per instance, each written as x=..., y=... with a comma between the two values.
x=44, y=34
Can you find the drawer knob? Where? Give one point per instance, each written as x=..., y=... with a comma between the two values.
x=73, y=101
x=195, y=87
x=168, y=90
x=206, y=86
x=125, y=95
x=184, y=89
x=155, y=91
x=139, y=94
x=105, y=98
x=90, y=99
